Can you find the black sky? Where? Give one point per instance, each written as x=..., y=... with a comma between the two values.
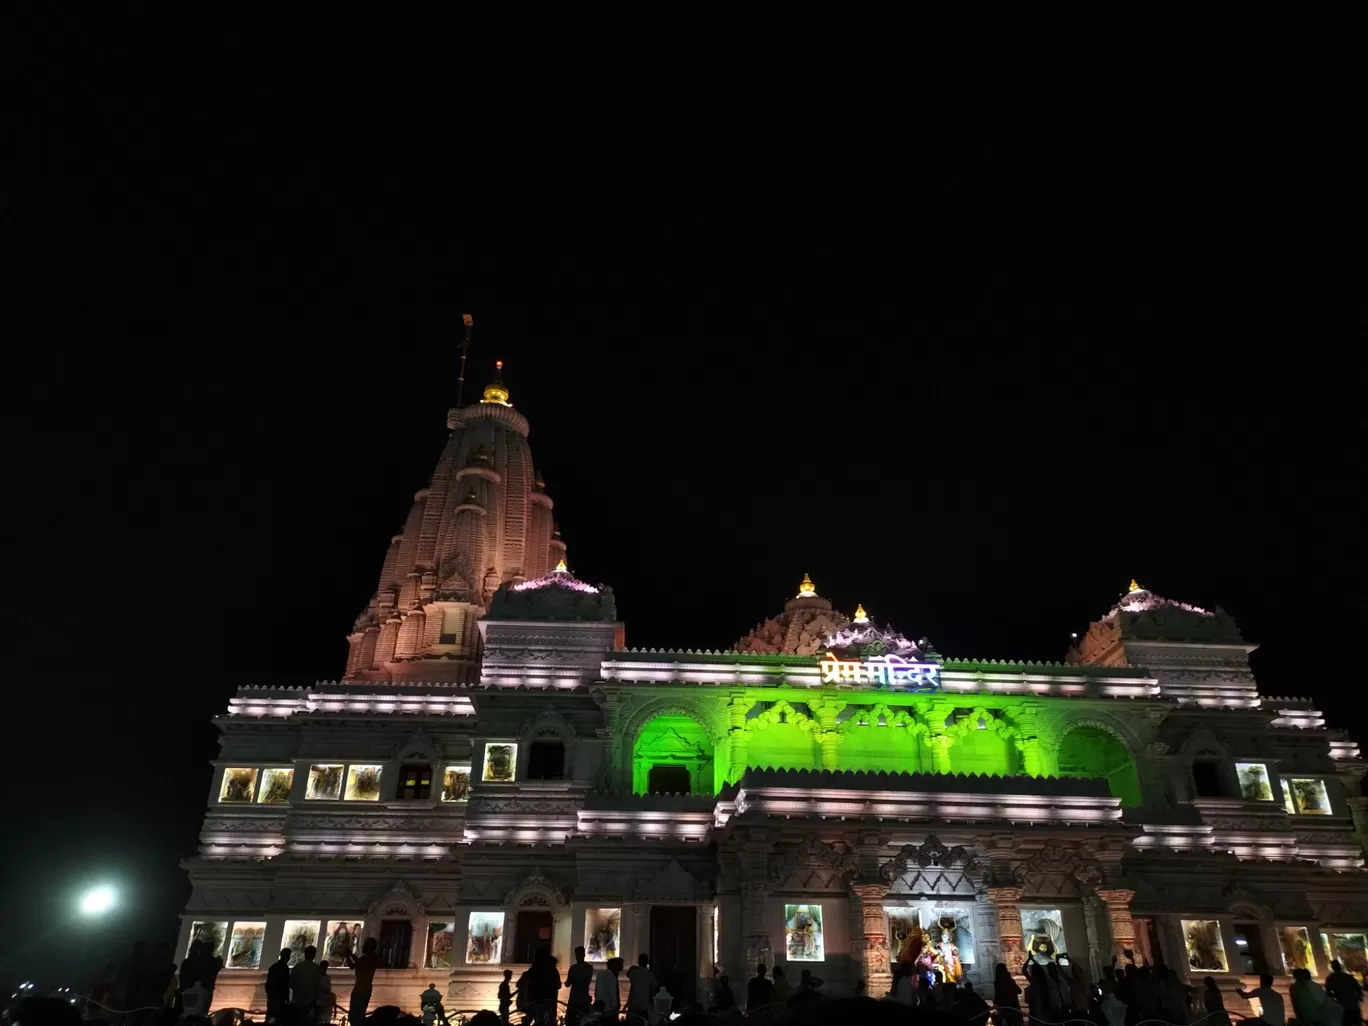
x=972, y=317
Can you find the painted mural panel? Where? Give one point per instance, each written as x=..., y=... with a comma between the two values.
x=363, y=784
x=244, y=948
x=934, y=938
x=325, y=782
x=214, y=934
x=441, y=937
x=456, y=784
x=803, y=933
x=238, y=784
x=602, y=933
x=485, y=944
x=1205, y=949
x=1308, y=796
x=1295, y=943
x=276, y=785
x=1352, y=951
x=1255, y=784
x=1042, y=932
x=343, y=939
x=500, y=763
x=299, y=934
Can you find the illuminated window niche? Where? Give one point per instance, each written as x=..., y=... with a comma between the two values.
x=276, y=785
x=1295, y=944
x=1352, y=951
x=1042, y=933
x=485, y=943
x=675, y=754
x=1205, y=949
x=881, y=738
x=214, y=934
x=803, y=933
x=1255, y=784
x=602, y=933
x=456, y=783
x=932, y=937
x=1307, y=796
x=440, y=939
x=244, y=947
x=500, y=763
x=298, y=935
x=325, y=782
x=363, y=784
x=1087, y=751
x=342, y=937
x=239, y=783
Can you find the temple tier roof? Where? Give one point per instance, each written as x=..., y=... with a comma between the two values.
x=558, y=595
x=809, y=625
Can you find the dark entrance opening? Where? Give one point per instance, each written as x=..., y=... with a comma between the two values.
x=667, y=779
x=531, y=930
x=396, y=936
x=1249, y=949
x=674, y=950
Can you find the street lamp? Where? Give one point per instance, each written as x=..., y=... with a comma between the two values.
x=98, y=900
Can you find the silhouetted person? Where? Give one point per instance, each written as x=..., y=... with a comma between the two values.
x=543, y=985
x=970, y=1006
x=759, y=990
x=506, y=995
x=606, y=994
x=1346, y=992
x=278, y=987
x=365, y=967
x=1006, y=996
x=304, y=980
x=783, y=990
x=641, y=984
x=723, y=998
x=578, y=979
x=808, y=987
x=1214, y=1003
x=1271, y=1007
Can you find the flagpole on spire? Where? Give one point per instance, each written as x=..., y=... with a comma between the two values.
x=465, y=351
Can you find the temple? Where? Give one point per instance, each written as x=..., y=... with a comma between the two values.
x=496, y=772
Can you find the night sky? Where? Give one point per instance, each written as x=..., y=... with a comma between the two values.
x=972, y=319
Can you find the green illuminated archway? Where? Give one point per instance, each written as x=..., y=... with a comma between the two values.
x=672, y=746
x=781, y=737
x=879, y=739
x=1091, y=751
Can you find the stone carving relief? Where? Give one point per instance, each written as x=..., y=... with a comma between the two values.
x=672, y=883
x=536, y=890
x=810, y=863
x=419, y=748
x=399, y=900
x=1057, y=871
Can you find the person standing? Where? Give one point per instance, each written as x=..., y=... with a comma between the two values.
x=506, y=995
x=1006, y=996
x=1346, y=992
x=1214, y=1003
x=1271, y=1008
x=278, y=987
x=365, y=967
x=759, y=990
x=606, y=990
x=327, y=1000
x=578, y=978
x=641, y=984
x=543, y=984
x=783, y=990
x=304, y=979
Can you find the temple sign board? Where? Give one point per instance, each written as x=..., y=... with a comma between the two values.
x=891, y=671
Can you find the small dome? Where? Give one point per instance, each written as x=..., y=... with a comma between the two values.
x=496, y=391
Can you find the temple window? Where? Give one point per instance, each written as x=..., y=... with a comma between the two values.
x=1249, y=952
x=396, y=937
x=276, y=784
x=665, y=778
x=1254, y=781
x=415, y=782
x=546, y=760
x=1306, y=796
x=1206, y=778
x=531, y=930
x=363, y=783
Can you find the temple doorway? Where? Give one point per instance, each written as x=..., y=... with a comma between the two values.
x=531, y=930
x=674, y=950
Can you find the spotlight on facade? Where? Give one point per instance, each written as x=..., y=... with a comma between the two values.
x=97, y=901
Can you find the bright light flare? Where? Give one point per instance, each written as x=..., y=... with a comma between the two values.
x=97, y=901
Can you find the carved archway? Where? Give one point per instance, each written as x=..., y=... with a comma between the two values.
x=1129, y=787
x=639, y=717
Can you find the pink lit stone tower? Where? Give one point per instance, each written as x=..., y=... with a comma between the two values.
x=484, y=520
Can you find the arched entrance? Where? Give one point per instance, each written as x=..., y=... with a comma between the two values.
x=673, y=754
x=1092, y=751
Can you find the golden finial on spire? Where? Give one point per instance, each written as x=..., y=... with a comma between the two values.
x=561, y=568
x=860, y=615
x=495, y=391
x=807, y=589
x=1134, y=586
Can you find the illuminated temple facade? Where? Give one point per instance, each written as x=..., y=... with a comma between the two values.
x=496, y=771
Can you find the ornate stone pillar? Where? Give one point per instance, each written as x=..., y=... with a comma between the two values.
x=869, y=936
x=830, y=741
x=988, y=943
x=706, y=934
x=1119, y=919
x=1358, y=809
x=940, y=752
x=1093, y=927
x=736, y=734
x=756, y=944
x=1030, y=756
x=1008, y=903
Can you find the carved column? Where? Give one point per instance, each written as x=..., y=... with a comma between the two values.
x=830, y=741
x=1092, y=926
x=1008, y=903
x=754, y=902
x=869, y=936
x=1119, y=919
x=1358, y=809
x=706, y=946
x=940, y=752
x=736, y=734
x=987, y=941
x=1030, y=756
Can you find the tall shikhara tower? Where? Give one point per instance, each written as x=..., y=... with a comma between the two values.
x=483, y=521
